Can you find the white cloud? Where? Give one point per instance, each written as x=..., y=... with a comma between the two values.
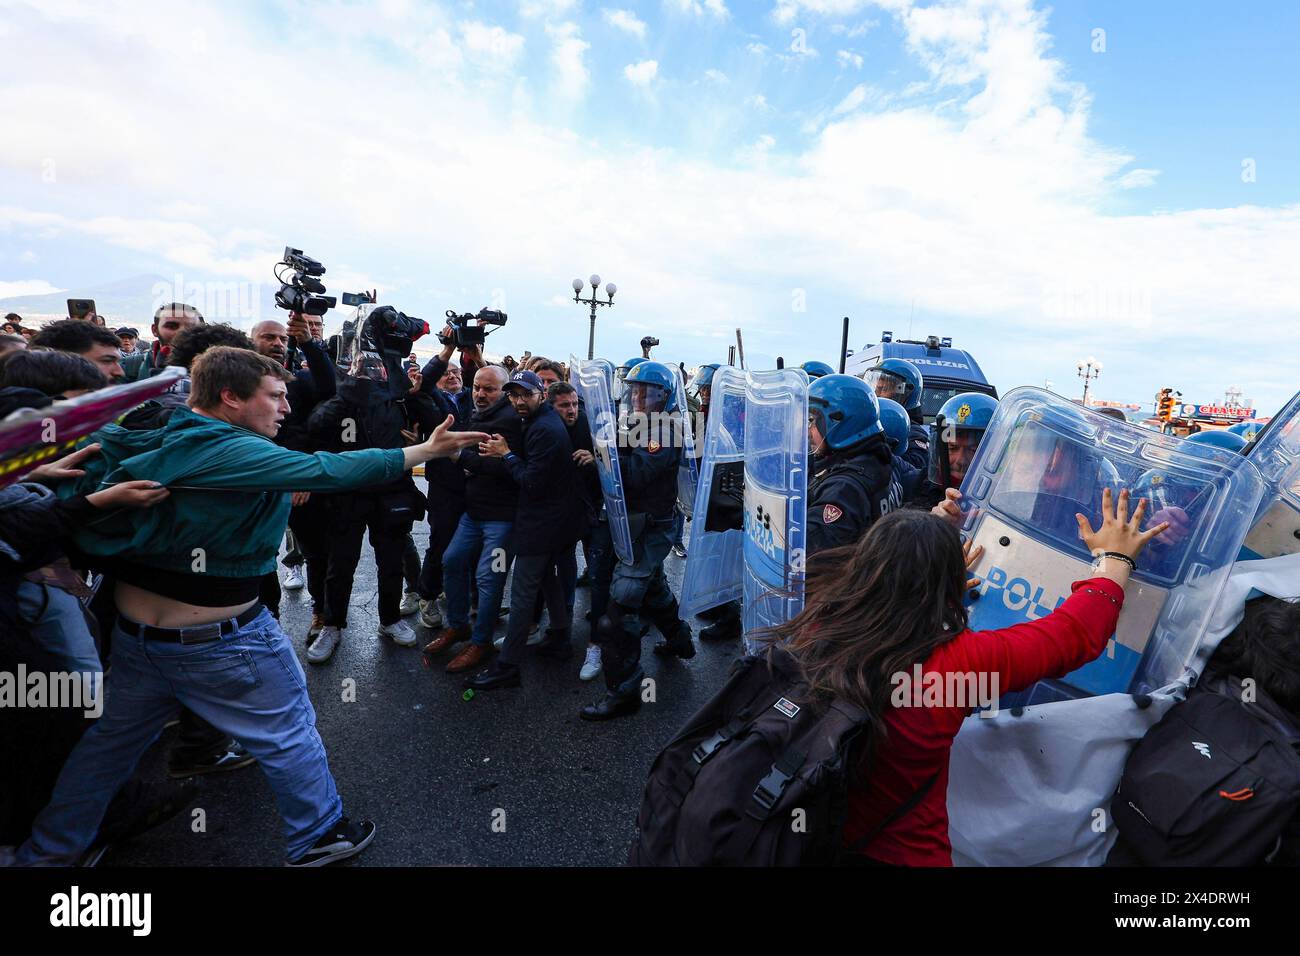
x=855, y=31
x=494, y=47
x=546, y=8
x=21, y=287
x=757, y=49
x=857, y=96
x=996, y=214
x=715, y=76
x=715, y=8
x=1137, y=178
x=641, y=74
x=758, y=101
x=567, y=57
x=787, y=10
x=848, y=58
x=625, y=20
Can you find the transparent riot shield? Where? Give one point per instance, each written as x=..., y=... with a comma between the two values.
x=715, y=561
x=1044, y=459
x=776, y=495
x=1276, y=454
x=591, y=381
x=688, y=472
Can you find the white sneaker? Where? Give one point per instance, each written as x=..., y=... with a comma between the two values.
x=323, y=648
x=591, y=666
x=294, y=580
x=534, y=634
x=410, y=603
x=430, y=616
x=401, y=633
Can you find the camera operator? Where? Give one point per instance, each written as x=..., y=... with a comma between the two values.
x=308, y=534
x=482, y=545
x=365, y=414
x=550, y=520
x=441, y=382
x=168, y=322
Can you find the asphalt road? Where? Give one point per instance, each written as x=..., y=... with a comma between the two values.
x=436, y=772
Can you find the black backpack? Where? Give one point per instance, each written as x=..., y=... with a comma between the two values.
x=1215, y=783
x=758, y=777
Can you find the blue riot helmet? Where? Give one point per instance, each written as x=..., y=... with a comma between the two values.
x=704, y=376
x=628, y=366
x=817, y=369
x=656, y=381
x=1222, y=438
x=1247, y=430
x=955, y=435
x=844, y=410
x=897, y=379
x=893, y=418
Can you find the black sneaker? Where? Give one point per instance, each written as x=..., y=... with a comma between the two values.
x=232, y=757
x=343, y=840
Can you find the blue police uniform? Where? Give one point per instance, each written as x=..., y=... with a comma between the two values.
x=850, y=490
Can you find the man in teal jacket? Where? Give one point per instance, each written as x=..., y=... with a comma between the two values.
x=190, y=628
x=168, y=322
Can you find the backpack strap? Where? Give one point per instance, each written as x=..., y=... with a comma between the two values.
x=770, y=788
x=862, y=842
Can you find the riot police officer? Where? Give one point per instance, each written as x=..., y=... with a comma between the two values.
x=900, y=380
x=898, y=430
x=958, y=429
x=816, y=369
x=649, y=473
x=852, y=483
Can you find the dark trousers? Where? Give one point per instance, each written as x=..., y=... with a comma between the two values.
x=311, y=525
x=411, y=564
x=444, y=515
x=534, y=574
x=352, y=518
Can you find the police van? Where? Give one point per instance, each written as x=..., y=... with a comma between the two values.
x=947, y=371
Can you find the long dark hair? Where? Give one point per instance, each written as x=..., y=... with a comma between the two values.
x=875, y=608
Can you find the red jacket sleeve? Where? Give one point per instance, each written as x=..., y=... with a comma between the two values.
x=1071, y=636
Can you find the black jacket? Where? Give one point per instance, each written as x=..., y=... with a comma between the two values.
x=490, y=493
x=650, y=479
x=362, y=415
x=849, y=490
x=588, y=475
x=551, y=512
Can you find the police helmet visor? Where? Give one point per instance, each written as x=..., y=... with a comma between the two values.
x=645, y=396
x=887, y=385
x=961, y=447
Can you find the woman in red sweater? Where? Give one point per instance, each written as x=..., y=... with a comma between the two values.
x=894, y=600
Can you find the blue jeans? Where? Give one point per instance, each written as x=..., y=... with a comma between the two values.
x=58, y=625
x=476, y=549
x=249, y=684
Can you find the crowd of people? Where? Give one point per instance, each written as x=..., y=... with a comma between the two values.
x=163, y=547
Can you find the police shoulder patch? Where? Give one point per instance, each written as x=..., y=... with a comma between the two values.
x=831, y=514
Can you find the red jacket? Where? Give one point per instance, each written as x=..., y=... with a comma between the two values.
x=919, y=738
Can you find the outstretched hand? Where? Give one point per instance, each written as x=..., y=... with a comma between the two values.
x=65, y=467
x=1118, y=532
x=445, y=443
x=972, y=559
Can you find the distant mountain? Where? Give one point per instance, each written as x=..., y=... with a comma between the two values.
x=133, y=300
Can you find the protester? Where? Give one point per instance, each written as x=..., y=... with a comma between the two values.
x=169, y=321
x=129, y=339
x=482, y=546
x=85, y=339
x=13, y=324
x=245, y=677
x=894, y=599
x=11, y=343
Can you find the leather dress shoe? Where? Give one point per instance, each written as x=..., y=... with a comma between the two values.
x=469, y=658
x=496, y=675
x=611, y=706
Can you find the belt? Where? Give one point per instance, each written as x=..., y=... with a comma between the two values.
x=197, y=634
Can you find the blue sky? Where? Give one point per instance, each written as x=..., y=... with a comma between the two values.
x=975, y=164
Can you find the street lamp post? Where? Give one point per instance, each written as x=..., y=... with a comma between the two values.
x=1089, y=369
x=593, y=301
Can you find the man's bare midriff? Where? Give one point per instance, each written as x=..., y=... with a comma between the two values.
x=154, y=609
